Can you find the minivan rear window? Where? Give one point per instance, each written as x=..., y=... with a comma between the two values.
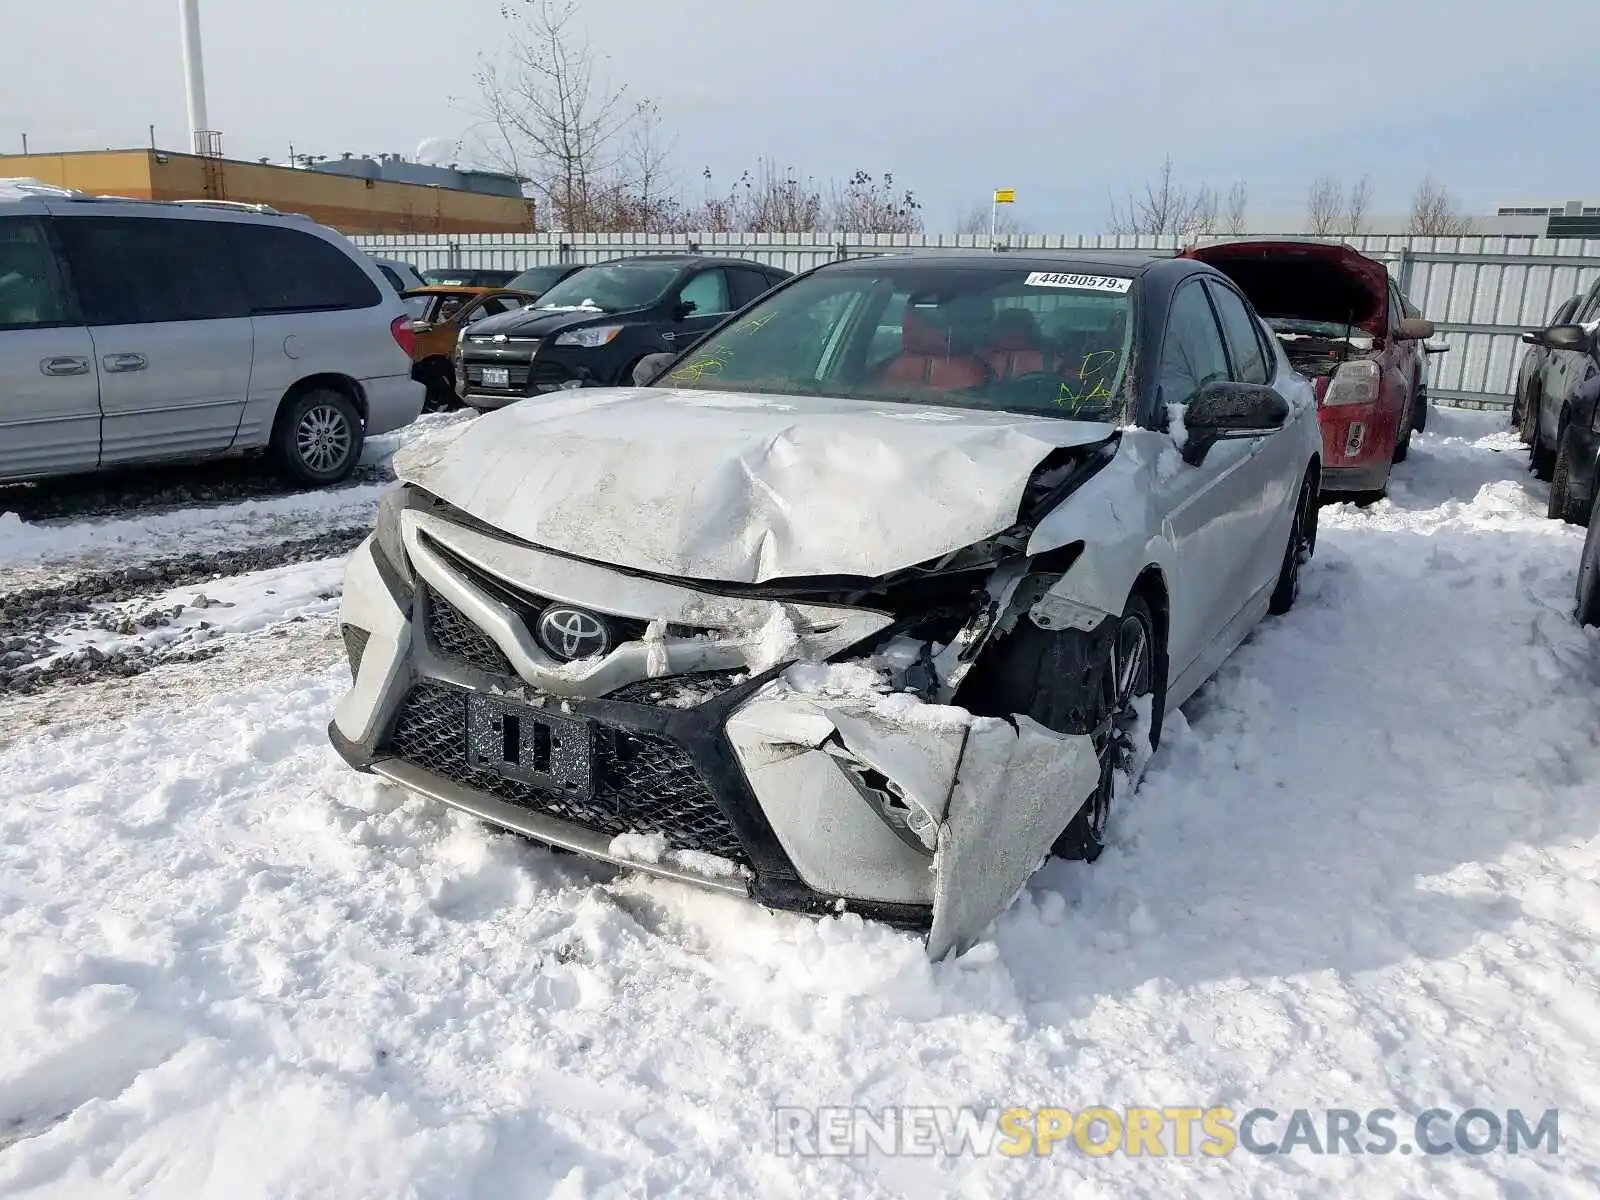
x=286, y=270
x=148, y=270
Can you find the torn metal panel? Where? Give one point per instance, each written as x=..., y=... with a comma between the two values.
x=837, y=841
x=1017, y=790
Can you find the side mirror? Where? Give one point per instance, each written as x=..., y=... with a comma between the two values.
x=1567, y=337
x=685, y=308
x=1225, y=411
x=1415, y=329
x=649, y=368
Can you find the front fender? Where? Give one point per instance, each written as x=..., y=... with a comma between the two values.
x=1117, y=517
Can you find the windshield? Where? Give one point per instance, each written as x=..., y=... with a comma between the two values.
x=613, y=287
x=537, y=279
x=989, y=338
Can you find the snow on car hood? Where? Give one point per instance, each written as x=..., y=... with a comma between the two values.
x=740, y=488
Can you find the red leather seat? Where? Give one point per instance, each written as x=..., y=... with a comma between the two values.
x=925, y=357
x=1015, y=347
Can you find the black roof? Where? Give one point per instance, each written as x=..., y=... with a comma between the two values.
x=1122, y=262
x=683, y=260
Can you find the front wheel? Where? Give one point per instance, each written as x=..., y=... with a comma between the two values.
x=1108, y=684
x=318, y=438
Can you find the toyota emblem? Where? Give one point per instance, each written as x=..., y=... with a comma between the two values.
x=570, y=633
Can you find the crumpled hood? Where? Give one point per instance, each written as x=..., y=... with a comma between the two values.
x=740, y=488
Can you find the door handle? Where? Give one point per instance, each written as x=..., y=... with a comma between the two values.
x=65, y=365
x=124, y=362
x=669, y=336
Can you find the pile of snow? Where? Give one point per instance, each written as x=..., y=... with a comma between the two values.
x=1363, y=872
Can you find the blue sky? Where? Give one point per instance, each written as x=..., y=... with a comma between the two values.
x=1067, y=102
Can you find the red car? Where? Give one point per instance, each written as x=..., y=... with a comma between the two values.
x=1343, y=324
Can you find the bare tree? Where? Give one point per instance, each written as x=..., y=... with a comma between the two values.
x=868, y=204
x=769, y=201
x=1238, y=204
x=1324, y=205
x=1166, y=208
x=1433, y=211
x=1356, y=207
x=975, y=220
x=549, y=117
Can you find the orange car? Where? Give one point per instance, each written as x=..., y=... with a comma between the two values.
x=443, y=312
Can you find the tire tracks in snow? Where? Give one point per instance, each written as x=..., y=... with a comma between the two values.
x=33, y=619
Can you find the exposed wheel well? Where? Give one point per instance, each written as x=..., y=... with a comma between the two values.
x=342, y=384
x=1151, y=587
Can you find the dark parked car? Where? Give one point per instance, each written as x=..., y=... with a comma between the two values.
x=1561, y=412
x=536, y=281
x=594, y=327
x=469, y=277
x=1533, y=363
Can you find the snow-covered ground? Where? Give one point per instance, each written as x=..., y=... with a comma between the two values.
x=1363, y=872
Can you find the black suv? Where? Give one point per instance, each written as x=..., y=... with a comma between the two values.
x=592, y=328
x=1561, y=414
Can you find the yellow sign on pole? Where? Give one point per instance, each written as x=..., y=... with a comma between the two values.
x=1005, y=195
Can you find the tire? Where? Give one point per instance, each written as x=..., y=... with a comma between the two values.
x=1588, y=611
x=1541, y=459
x=1069, y=682
x=441, y=398
x=1402, y=447
x=1419, y=419
x=318, y=438
x=1562, y=506
x=1527, y=429
x=1302, y=544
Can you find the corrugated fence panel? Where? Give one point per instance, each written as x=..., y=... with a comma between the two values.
x=1481, y=292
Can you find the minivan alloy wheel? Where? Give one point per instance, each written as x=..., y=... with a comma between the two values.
x=323, y=438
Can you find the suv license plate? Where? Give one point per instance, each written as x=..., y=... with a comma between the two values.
x=496, y=377
x=550, y=751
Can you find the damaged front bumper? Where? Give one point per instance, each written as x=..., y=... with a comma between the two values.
x=698, y=751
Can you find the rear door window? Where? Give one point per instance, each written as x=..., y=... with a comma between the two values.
x=708, y=292
x=148, y=270
x=34, y=292
x=1246, y=345
x=747, y=285
x=288, y=270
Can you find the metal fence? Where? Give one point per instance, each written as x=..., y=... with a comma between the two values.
x=1483, y=292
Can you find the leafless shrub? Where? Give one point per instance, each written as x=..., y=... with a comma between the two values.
x=1166, y=208
x=1433, y=211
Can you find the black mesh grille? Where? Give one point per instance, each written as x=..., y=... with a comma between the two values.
x=680, y=691
x=459, y=638
x=644, y=783
x=355, y=645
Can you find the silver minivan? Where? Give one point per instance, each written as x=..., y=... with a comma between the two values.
x=135, y=332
